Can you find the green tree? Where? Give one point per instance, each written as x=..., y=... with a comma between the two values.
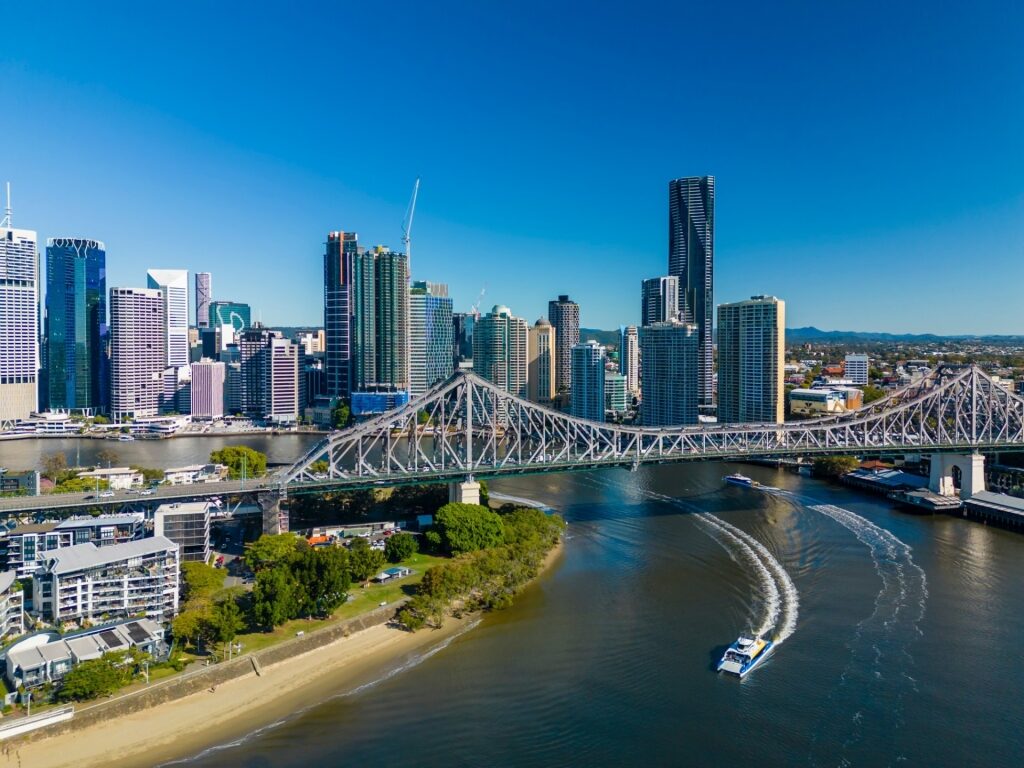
x=319, y=467
x=401, y=546
x=201, y=580
x=271, y=550
x=467, y=527
x=192, y=625
x=363, y=561
x=92, y=678
x=323, y=577
x=226, y=620
x=274, y=597
x=872, y=393
x=108, y=457
x=150, y=475
x=834, y=467
x=80, y=485
x=237, y=457
x=485, y=496
x=341, y=415
x=54, y=464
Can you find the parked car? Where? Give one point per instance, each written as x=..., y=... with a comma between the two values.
x=146, y=492
x=106, y=494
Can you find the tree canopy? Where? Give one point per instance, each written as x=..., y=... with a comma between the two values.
x=271, y=550
x=364, y=561
x=467, y=527
x=400, y=546
x=835, y=466
x=235, y=456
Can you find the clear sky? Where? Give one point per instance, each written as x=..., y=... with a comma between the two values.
x=869, y=155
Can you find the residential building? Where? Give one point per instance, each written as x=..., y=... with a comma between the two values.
x=77, y=335
x=381, y=321
x=12, y=605
x=691, y=257
x=25, y=546
x=187, y=524
x=19, y=321
x=282, y=389
x=856, y=369
x=564, y=315
x=137, y=356
x=208, y=381
x=431, y=336
x=659, y=300
x=669, y=380
x=101, y=530
x=204, y=295
x=541, y=373
x=196, y=473
x=588, y=361
x=751, y=361
x=254, y=366
x=116, y=478
x=616, y=394
x=339, y=265
x=629, y=359
x=86, y=582
x=500, y=350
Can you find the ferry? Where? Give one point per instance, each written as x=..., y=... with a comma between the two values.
x=744, y=655
x=743, y=480
x=126, y=439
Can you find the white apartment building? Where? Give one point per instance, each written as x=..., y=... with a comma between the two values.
x=208, y=379
x=86, y=582
x=196, y=473
x=173, y=284
x=12, y=605
x=629, y=359
x=856, y=369
x=282, y=392
x=19, y=321
x=751, y=359
x=117, y=478
x=25, y=547
x=137, y=354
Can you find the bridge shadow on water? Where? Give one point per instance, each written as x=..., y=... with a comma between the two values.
x=611, y=506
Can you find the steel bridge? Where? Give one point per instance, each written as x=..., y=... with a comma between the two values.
x=467, y=428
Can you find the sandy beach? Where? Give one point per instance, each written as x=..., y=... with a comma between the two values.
x=185, y=727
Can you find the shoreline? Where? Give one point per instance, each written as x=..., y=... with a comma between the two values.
x=177, y=731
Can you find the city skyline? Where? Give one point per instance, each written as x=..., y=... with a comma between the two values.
x=859, y=193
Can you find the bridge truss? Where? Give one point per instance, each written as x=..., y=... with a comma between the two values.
x=468, y=427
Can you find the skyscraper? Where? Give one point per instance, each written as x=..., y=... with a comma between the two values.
x=540, y=367
x=173, y=283
x=856, y=369
x=564, y=315
x=629, y=359
x=138, y=333
x=751, y=361
x=381, y=328
x=227, y=320
x=208, y=386
x=669, y=374
x=254, y=367
x=691, y=258
x=462, y=349
x=659, y=300
x=588, y=397
x=282, y=391
x=77, y=335
x=499, y=350
x=616, y=398
x=339, y=264
x=19, y=321
x=204, y=295
x=431, y=334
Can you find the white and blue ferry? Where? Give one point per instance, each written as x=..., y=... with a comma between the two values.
x=743, y=655
x=741, y=480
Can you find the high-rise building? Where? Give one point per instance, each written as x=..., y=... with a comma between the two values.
x=751, y=360
x=616, y=397
x=691, y=257
x=187, y=524
x=431, y=336
x=669, y=374
x=381, y=328
x=499, y=350
x=629, y=358
x=587, y=400
x=77, y=335
x=462, y=349
x=856, y=369
x=564, y=315
x=339, y=264
x=540, y=367
x=173, y=283
x=208, y=382
x=659, y=300
x=230, y=313
x=282, y=389
x=204, y=295
x=19, y=321
x=138, y=333
x=254, y=367
x=231, y=357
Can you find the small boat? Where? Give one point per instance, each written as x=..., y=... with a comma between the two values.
x=744, y=655
x=126, y=439
x=743, y=480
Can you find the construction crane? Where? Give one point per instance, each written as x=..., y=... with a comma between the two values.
x=407, y=221
x=476, y=307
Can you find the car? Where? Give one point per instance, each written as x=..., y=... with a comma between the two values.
x=146, y=492
x=106, y=494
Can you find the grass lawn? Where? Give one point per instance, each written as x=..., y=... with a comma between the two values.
x=361, y=600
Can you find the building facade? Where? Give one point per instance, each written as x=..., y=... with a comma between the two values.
x=629, y=359
x=500, y=350
x=616, y=395
x=282, y=390
x=339, y=264
x=254, y=369
x=138, y=359
x=76, y=330
x=751, y=361
x=381, y=326
x=204, y=295
x=669, y=363
x=431, y=336
x=564, y=316
x=208, y=382
x=856, y=369
x=173, y=284
x=659, y=300
x=691, y=258
x=187, y=524
x=462, y=343
x=19, y=323
x=588, y=396
x=541, y=371
x=12, y=606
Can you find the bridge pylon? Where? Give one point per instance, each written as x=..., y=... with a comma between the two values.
x=466, y=492
x=969, y=466
x=275, y=517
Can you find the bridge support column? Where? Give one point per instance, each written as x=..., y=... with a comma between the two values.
x=275, y=517
x=969, y=466
x=466, y=492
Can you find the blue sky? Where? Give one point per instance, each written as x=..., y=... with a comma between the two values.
x=869, y=156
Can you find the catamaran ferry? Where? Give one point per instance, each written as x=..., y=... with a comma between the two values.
x=743, y=480
x=744, y=655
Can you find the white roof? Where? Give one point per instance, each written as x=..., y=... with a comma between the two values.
x=6, y=579
x=82, y=556
x=100, y=520
x=183, y=508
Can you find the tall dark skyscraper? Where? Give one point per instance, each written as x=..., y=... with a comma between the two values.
x=339, y=263
x=564, y=315
x=659, y=297
x=77, y=335
x=380, y=329
x=691, y=257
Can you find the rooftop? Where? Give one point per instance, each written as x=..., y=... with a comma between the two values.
x=33, y=528
x=6, y=579
x=83, y=556
x=183, y=508
x=88, y=521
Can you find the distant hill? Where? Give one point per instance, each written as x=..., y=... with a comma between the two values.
x=606, y=338
x=816, y=335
